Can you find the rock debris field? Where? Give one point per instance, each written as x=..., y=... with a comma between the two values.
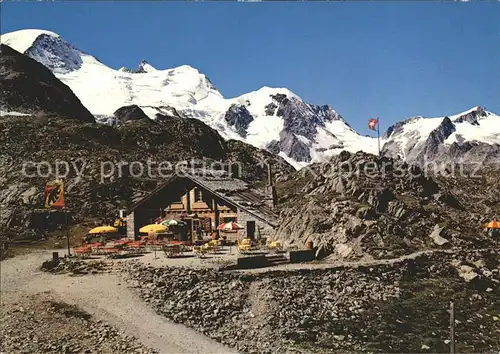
x=392, y=307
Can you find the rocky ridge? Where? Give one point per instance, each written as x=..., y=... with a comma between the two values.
x=358, y=206
x=28, y=87
x=239, y=118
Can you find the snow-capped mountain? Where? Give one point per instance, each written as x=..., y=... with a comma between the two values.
x=473, y=135
x=271, y=118
x=275, y=119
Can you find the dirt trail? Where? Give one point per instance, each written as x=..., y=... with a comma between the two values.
x=107, y=298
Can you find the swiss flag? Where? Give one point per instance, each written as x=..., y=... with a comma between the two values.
x=372, y=123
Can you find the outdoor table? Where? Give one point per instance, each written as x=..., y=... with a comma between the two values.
x=172, y=249
x=135, y=246
x=82, y=251
x=122, y=242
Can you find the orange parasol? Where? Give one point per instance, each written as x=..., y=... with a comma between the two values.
x=493, y=225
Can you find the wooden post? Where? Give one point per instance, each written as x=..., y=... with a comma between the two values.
x=67, y=231
x=216, y=212
x=55, y=257
x=452, y=328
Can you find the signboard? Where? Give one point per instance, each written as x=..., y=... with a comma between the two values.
x=54, y=195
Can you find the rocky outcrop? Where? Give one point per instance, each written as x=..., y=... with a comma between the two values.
x=453, y=143
x=417, y=150
x=300, y=126
x=255, y=161
x=299, y=117
x=326, y=114
x=129, y=113
x=357, y=205
x=395, y=128
x=168, y=111
x=28, y=87
x=472, y=117
x=238, y=117
x=292, y=146
x=55, y=53
x=436, y=138
x=476, y=153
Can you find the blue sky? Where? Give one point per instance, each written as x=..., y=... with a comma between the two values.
x=388, y=59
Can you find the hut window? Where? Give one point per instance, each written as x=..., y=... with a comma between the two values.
x=198, y=196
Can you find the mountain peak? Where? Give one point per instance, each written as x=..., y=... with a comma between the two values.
x=475, y=109
x=22, y=40
x=471, y=116
x=46, y=47
x=145, y=67
x=185, y=69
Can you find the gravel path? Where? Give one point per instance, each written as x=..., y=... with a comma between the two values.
x=107, y=298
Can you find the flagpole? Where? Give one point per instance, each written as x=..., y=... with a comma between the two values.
x=378, y=137
x=66, y=220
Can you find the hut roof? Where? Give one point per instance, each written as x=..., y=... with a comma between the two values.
x=232, y=190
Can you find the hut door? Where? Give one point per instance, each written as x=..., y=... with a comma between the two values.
x=251, y=229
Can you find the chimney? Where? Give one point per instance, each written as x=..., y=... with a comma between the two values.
x=271, y=189
x=274, y=196
x=269, y=176
x=235, y=170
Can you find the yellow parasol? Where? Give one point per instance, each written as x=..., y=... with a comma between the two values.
x=153, y=228
x=493, y=225
x=103, y=230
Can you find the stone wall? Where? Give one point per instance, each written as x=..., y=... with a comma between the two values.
x=243, y=217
